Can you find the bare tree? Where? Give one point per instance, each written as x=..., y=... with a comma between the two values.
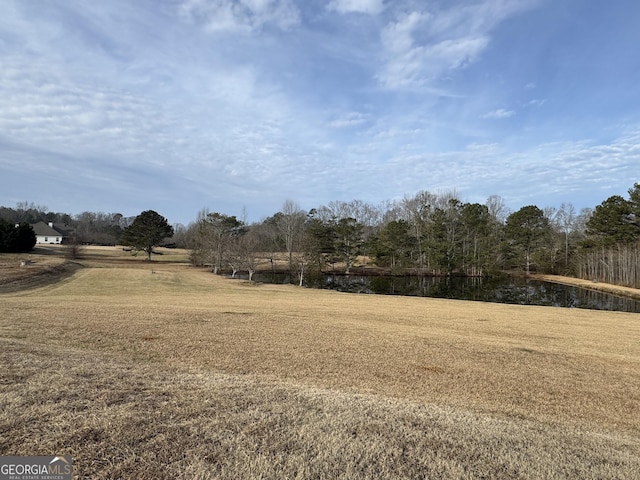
x=497, y=208
x=565, y=219
x=290, y=223
x=249, y=248
x=215, y=233
x=417, y=210
x=242, y=253
x=72, y=247
x=268, y=238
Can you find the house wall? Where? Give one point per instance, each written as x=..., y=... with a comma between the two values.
x=49, y=239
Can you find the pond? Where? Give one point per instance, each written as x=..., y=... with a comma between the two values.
x=513, y=290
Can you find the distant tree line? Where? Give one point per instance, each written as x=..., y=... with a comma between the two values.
x=611, y=250
x=423, y=234
x=89, y=227
x=430, y=234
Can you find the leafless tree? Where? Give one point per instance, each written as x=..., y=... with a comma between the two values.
x=290, y=223
x=214, y=234
x=564, y=219
x=497, y=208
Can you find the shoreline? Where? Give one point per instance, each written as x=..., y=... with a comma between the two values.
x=14, y=278
x=618, y=290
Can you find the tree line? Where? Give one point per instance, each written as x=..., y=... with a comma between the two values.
x=430, y=234
x=423, y=234
x=611, y=250
x=95, y=228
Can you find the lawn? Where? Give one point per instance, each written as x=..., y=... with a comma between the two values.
x=161, y=370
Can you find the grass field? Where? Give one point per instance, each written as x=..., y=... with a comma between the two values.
x=160, y=370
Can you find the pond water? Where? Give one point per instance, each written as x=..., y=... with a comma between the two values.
x=509, y=290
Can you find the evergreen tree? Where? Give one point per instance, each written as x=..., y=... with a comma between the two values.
x=16, y=239
x=395, y=245
x=319, y=240
x=525, y=230
x=616, y=220
x=348, y=241
x=148, y=230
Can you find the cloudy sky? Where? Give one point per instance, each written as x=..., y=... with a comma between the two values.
x=179, y=105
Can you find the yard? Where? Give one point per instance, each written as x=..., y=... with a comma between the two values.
x=159, y=370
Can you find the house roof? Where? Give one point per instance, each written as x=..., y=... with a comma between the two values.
x=65, y=230
x=43, y=229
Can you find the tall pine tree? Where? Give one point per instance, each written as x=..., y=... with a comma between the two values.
x=148, y=230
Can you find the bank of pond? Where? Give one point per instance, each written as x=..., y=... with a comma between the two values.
x=509, y=289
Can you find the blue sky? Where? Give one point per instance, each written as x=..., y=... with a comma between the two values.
x=179, y=105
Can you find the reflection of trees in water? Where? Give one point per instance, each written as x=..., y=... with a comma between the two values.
x=507, y=290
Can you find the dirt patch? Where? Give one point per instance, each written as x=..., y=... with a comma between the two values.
x=26, y=274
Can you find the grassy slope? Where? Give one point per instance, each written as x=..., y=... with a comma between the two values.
x=619, y=290
x=181, y=373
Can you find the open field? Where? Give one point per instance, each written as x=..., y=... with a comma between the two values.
x=182, y=374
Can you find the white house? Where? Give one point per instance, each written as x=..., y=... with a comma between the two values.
x=49, y=233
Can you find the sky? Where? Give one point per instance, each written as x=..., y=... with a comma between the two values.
x=237, y=106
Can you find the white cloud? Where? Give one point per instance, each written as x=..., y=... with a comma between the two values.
x=42, y=109
x=536, y=102
x=350, y=119
x=95, y=101
x=409, y=63
x=372, y=7
x=241, y=16
x=545, y=175
x=421, y=47
x=499, y=113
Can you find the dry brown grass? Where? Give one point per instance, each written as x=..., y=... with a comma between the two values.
x=41, y=269
x=619, y=290
x=182, y=374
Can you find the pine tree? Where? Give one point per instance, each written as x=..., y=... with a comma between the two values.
x=148, y=230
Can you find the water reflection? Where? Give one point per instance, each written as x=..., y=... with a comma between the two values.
x=510, y=290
